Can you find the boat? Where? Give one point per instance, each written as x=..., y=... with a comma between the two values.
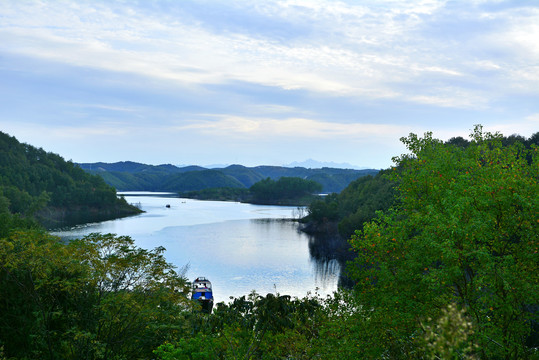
x=203, y=293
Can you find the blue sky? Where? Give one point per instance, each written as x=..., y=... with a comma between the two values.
x=263, y=82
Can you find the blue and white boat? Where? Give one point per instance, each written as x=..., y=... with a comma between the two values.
x=203, y=293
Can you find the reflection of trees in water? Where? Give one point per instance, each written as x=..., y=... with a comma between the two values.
x=330, y=253
x=326, y=271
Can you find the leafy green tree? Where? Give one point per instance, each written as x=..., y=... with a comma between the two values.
x=324, y=210
x=10, y=222
x=139, y=296
x=245, y=323
x=37, y=274
x=95, y=298
x=254, y=326
x=340, y=329
x=465, y=232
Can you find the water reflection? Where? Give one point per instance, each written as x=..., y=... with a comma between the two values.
x=326, y=272
x=330, y=253
x=239, y=247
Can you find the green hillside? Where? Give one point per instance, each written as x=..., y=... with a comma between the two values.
x=134, y=168
x=247, y=176
x=198, y=180
x=40, y=184
x=131, y=176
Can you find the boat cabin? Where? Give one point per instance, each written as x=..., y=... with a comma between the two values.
x=203, y=293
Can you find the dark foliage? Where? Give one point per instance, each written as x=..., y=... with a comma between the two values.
x=37, y=183
x=220, y=194
x=354, y=206
x=284, y=190
x=95, y=298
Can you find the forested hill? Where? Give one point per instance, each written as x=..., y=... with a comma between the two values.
x=132, y=176
x=37, y=183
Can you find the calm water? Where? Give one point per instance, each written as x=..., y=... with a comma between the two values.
x=239, y=247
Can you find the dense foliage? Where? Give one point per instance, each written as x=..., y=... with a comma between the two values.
x=464, y=232
x=34, y=182
x=95, y=298
x=258, y=327
x=220, y=194
x=353, y=206
x=286, y=190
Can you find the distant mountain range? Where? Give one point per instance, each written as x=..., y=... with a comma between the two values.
x=309, y=164
x=314, y=164
x=132, y=176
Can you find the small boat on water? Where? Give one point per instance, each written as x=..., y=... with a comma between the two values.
x=203, y=293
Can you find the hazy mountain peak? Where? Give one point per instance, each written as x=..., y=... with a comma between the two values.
x=314, y=164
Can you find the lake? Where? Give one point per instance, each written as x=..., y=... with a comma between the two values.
x=238, y=247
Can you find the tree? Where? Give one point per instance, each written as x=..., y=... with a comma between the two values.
x=353, y=206
x=99, y=297
x=464, y=232
x=260, y=327
x=46, y=187
x=138, y=298
x=285, y=189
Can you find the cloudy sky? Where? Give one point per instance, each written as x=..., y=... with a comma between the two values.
x=263, y=82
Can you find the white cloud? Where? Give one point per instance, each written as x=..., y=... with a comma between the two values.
x=526, y=126
x=72, y=132
x=453, y=97
x=237, y=126
x=131, y=109
x=533, y=119
x=347, y=50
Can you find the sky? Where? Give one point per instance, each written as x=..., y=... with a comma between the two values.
x=199, y=82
